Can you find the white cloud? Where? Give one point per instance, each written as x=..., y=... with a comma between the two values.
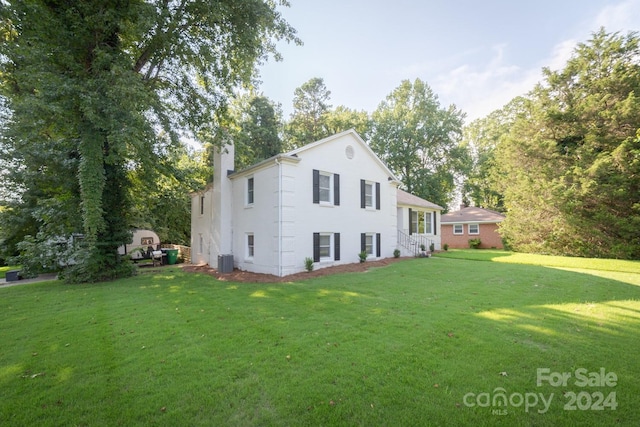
x=625, y=15
x=481, y=89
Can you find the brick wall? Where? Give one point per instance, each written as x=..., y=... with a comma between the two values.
x=488, y=235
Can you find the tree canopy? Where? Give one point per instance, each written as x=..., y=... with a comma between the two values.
x=420, y=140
x=570, y=161
x=96, y=87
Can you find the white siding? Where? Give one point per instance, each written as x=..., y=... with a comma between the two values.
x=201, y=227
x=348, y=219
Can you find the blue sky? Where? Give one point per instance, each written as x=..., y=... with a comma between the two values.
x=477, y=55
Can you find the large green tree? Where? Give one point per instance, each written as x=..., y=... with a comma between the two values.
x=258, y=127
x=571, y=160
x=308, y=122
x=94, y=83
x=481, y=137
x=420, y=141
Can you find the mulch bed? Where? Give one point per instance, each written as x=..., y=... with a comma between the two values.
x=245, y=276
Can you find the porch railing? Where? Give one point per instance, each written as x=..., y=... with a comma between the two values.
x=414, y=242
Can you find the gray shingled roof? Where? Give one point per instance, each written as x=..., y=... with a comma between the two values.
x=472, y=214
x=408, y=199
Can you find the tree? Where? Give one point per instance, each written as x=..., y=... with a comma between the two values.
x=572, y=163
x=96, y=81
x=481, y=137
x=310, y=108
x=161, y=196
x=258, y=135
x=343, y=118
x=420, y=141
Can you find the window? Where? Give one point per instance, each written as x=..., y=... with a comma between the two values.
x=370, y=243
x=474, y=229
x=326, y=188
x=326, y=247
x=250, y=191
x=250, y=245
x=369, y=194
x=201, y=205
x=428, y=222
x=457, y=229
x=414, y=222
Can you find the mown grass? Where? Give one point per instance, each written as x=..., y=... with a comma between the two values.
x=397, y=345
x=602, y=264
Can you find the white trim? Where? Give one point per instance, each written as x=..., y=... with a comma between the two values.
x=330, y=257
x=469, y=229
x=252, y=191
x=461, y=229
x=320, y=188
x=250, y=248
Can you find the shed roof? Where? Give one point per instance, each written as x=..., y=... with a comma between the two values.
x=472, y=214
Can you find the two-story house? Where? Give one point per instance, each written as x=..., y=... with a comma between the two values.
x=328, y=201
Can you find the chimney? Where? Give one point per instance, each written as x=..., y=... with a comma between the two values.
x=223, y=161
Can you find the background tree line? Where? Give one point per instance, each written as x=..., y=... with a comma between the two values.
x=97, y=99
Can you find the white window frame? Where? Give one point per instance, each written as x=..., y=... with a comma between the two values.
x=250, y=193
x=251, y=245
x=370, y=199
x=477, y=229
x=428, y=222
x=461, y=232
x=329, y=257
x=328, y=191
x=371, y=236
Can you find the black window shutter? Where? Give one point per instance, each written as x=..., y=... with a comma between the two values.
x=435, y=222
x=378, y=239
x=336, y=189
x=316, y=247
x=363, y=242
x=336, y=244
x=377, y=195
x=362, y=201
x=316, y=186
x=410, y=221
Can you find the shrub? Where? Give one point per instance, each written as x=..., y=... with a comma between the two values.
x=432, y=247
x=396, y=253
x=363, y=256
x=445, y=246
x=474, y=243
x=308, y=264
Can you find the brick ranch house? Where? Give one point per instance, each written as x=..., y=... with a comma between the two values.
x=471, y=222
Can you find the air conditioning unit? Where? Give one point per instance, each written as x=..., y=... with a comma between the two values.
x=225, y=264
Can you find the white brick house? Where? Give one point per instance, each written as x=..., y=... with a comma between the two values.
x=328, y=201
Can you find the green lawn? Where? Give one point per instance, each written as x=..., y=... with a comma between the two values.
x=421, y=342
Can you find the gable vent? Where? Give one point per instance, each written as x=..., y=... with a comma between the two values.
x=349, y=152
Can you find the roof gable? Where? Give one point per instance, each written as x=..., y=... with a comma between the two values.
x=472, y=214
x=356, y=139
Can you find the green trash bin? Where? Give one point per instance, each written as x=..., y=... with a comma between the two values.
x=172, y=256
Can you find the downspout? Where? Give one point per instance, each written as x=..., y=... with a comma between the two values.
x=279, y=217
